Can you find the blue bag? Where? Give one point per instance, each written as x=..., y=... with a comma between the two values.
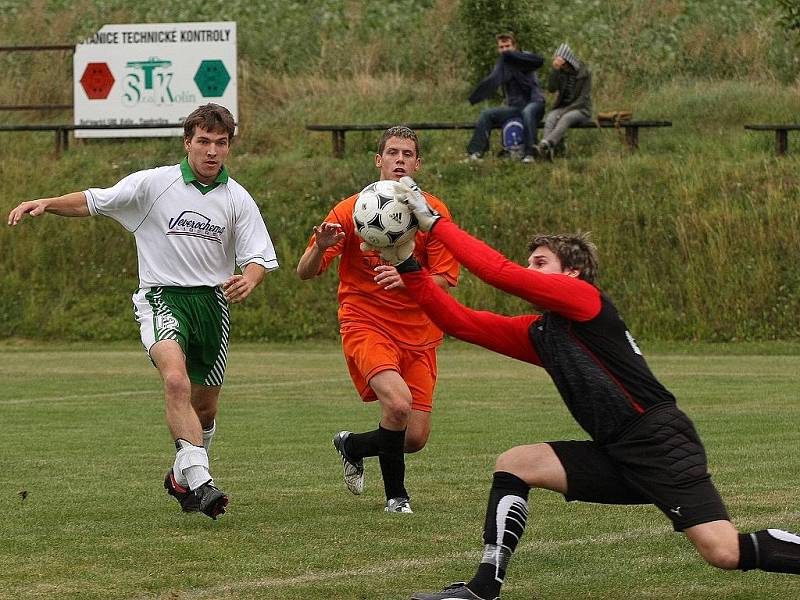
x=512, y=135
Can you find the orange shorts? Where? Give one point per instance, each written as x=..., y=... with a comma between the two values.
x=368, y=352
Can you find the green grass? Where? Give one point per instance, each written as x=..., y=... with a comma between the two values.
x=83, y=434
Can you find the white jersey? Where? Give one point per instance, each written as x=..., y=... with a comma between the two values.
x=185, y=237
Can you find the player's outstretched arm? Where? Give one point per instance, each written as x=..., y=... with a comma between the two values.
x=69, y=205
x=499, y=333
x=326, y=235
x=574, y=298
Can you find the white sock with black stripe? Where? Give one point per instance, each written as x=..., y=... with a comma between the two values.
x=506, y=516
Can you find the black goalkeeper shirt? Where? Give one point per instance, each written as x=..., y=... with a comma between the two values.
x=598, y=369
x=579, y=338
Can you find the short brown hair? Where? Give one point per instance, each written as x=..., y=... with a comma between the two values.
x=574, y=251
x=506, y=35
x=398, y=131
x=212, y=118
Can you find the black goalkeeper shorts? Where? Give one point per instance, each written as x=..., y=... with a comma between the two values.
x=659, y=459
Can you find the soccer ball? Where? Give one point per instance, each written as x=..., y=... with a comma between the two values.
x=381, y=220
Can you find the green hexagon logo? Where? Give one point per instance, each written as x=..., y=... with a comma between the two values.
x=212, y=78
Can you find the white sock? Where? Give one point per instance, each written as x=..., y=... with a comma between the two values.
x=208, y=435
x=191, y=465
x=197, y=476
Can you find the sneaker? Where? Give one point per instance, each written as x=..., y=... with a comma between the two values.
x=211, y=501
x=546, y=151
x=353, y=469
x=398, y=505
x=184, y=496
x=528, y=158
x=454, y=591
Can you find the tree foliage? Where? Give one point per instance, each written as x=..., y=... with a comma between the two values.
x=481, y=20
x=790, y=14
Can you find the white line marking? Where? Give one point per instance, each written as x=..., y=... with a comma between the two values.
x=158, y=391
x=394, y=566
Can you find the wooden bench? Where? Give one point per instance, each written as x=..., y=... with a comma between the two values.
x=781, y=135
x=338, y=131
x=62, y=130
x=61, y=133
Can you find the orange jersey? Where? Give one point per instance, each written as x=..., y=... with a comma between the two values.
x=362, y=302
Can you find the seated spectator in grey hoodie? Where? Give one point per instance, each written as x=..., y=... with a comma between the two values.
x=571, y=80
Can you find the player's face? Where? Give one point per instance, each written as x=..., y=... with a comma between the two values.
x=207, y=151
x=399, y=159
x=545, y=260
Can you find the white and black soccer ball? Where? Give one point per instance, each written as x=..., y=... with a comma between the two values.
x=381, y=220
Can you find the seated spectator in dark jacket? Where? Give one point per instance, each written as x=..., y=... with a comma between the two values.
x=572, y=82
x=515, y=71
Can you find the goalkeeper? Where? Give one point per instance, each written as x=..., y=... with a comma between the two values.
x=643, y=448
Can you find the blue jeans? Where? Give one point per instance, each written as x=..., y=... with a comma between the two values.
x=492, y=118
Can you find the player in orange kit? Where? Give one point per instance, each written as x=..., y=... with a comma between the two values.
x=388, y=342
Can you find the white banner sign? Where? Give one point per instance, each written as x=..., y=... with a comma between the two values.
x=153, y=74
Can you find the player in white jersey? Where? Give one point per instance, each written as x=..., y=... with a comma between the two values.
x=193, y=225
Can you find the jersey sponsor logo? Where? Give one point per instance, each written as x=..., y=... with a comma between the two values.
x=194, y=224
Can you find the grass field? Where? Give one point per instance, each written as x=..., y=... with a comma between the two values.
x=82, y=432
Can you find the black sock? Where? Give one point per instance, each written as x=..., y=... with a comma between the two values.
x=747, y=552
x=359, y=445
x=772, y=550
x=393, y=465
x=505, y=522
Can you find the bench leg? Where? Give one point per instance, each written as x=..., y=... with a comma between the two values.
x=781, y=141
x=632, y=138
x=65, y=139
x=57, y=141
x=337, y=137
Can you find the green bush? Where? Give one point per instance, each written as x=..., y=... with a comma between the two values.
x=481, y=20
x=790, y=14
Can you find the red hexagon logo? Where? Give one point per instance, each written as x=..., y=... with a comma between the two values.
x=97, y=81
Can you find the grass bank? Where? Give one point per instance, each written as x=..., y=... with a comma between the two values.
x=698, y=232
